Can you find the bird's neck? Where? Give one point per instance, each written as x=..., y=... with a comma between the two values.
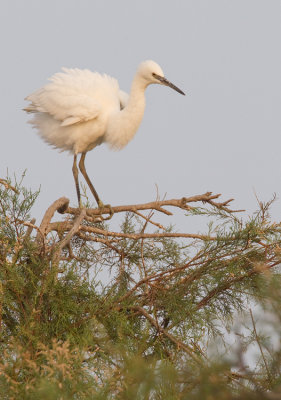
x=136, y=103
x=123, y=125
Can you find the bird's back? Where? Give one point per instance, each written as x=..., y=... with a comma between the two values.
x=71, y=112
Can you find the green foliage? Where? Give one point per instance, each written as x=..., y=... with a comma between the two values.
x=138, y=318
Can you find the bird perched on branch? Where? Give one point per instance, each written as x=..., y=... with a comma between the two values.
x=79, y=110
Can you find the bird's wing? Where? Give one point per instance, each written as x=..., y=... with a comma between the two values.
x=69, y=97
x=124, y=98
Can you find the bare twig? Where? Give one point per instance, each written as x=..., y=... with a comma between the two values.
x=65, y=225
x=149, y=220
x=182, y=203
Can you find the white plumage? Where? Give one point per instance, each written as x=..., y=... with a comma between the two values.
x=80, y=109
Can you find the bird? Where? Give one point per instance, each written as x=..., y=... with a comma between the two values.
x=78, y=110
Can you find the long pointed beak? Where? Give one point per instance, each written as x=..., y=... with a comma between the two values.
x=165, y=82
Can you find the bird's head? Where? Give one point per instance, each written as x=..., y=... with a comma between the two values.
x=151, y=72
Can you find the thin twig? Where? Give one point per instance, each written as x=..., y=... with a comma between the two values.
x=228, y=283
x=149, y=220
x=176, y=341
x=65, y=225
x=260, y=347
x=65, y=241
x=30, y=226
x=8, y=186
x=99, y=240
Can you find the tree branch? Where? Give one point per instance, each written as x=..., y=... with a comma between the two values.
x=67, y=238
x=182, y=203
x=59, y=205
x=64, y=226
x=173, y=339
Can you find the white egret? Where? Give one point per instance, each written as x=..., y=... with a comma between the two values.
x=80, y=109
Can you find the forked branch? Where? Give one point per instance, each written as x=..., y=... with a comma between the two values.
x=92, y=216
x=160, y=205
x=84, y=223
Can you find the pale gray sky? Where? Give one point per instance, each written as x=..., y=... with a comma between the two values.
x=224, y=136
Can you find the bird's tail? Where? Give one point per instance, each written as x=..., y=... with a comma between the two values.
x=30, y=109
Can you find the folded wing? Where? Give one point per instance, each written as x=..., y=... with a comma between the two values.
x=70, y=97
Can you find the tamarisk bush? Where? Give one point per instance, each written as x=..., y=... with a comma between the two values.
x=89, y=311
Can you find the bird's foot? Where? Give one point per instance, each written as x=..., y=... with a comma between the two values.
x=102, y=207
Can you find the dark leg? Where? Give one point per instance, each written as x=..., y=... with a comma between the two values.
x=84, y=173
x=75, y=174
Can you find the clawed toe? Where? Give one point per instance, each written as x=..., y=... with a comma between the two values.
x=102, y=207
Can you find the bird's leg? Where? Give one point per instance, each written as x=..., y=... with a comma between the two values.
x=93, y=190
x=75, y=174
x=84, y=173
